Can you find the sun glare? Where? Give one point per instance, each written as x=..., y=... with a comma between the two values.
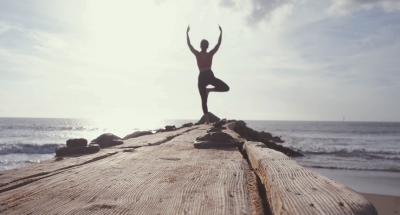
x=128, y=33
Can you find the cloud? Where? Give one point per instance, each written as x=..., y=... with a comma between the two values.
x=346, y=7
x=47, y=40
x=6, y=27
x=159, y=2
x=227, y=3
x=262, y=10
x=265, y=9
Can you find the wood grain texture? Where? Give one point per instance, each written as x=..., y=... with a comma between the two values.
x=53, y=165
x=292, y=189
x=165, y=173
x=167, y=176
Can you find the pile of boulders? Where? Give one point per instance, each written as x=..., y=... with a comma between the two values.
x=76, y=146
x=211, y=117
x=215, y=134
x=264, y=137
x=215, y=138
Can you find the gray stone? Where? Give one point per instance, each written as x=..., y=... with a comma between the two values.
x=211, y=117
x=170, y=128
x=240, y=123
x=215, y=137
x=203, y=138
x=79, y=142
x=213, y=130
x=219, y=124
x=187, y=124
x=65, y=151
x=107, y=140
x=137, y=134
x=220, y=137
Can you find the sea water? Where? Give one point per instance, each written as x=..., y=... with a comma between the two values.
x=24, y=141
x=373, y=146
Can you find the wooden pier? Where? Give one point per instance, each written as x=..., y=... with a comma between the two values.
x=172, y=173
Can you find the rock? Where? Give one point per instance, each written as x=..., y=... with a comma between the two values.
x=117, y=142
x=269, y=144
x=187, y=124
x=277, y=140
x=216, y=137
x=264, y=137
x=213, y=130
x=220, y=137
x=107, y=140
x=216, y=145
x=64, y=151
x=240, y=123
x=108, y=144
x=137, y=134
x=288, y=152
x=203, y=138
x=211, y=117
x=79, y=142
x=159, y=130
x=219, y=124
x=216, y=140
x=170, y=128
x=224, y=121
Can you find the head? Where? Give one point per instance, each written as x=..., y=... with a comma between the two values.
x=204, y=45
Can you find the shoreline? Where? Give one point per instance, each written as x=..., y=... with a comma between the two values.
x=178, y=170
x=378, y=187
x=369, y=182
x=384, y=204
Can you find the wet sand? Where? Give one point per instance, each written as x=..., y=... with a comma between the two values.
x=380, y=188
x=375, y=182
x=384, y=204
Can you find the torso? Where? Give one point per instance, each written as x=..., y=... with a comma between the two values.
x=204, y=61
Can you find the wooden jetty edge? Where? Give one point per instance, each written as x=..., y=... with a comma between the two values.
x=173, y=173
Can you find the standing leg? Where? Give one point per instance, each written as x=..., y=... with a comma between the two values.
x=204, y=95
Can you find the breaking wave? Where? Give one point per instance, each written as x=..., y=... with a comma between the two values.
x=26, y=148
x=390, y=154
x=354, y=168
x=48, y=128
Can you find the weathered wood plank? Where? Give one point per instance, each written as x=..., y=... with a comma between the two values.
x=8, y=177
x=292, y=189
x=171, y=178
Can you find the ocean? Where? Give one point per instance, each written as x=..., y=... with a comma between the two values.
x=372, y=146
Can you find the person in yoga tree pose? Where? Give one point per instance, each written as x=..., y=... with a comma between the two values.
x=206, y=76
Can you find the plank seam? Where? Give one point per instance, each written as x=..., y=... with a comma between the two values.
x=260, y=187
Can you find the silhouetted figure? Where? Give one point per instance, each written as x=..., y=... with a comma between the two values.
x=206, y=76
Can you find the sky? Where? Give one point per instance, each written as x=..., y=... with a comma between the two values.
x=283, y=60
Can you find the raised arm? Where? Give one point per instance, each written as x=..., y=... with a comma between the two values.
x=215, y=49
x=194, y=51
